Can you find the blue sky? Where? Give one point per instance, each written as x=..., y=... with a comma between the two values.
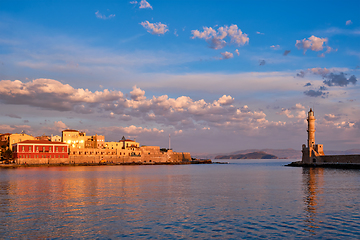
x=218, y=76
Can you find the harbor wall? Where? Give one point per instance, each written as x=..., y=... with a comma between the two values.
x=338, y=159
x=170, y=157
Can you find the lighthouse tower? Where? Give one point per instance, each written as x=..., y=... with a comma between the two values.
x=311, y=131
x=312, y=150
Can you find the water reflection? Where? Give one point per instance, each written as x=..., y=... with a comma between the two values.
x=313, y=182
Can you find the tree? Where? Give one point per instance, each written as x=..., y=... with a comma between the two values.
x=123, y=138
x=8, y=154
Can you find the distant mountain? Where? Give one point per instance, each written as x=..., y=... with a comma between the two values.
x=253, y=155
x=280, y=153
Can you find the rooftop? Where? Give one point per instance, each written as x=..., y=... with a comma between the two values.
x=41, y=142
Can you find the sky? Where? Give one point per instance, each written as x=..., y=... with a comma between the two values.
x=218, y=76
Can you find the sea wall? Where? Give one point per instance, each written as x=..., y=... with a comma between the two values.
x=41, y=160
x=170, y=157
x=338, y=159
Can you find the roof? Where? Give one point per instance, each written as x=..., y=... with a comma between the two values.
x=127, y=140
x=41, y=142
x=5, y=134
x=70, y=130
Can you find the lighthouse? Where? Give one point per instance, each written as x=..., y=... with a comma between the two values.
x=311, y=131
x=312, y=150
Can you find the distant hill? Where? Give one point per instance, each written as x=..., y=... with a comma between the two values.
x=288, y=153
x=253, y=155
x=280, y=153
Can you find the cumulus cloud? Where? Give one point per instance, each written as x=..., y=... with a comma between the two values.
x=182, y=112
x=339, y=80
x=155, y=28
x=226, y=100
x=142, y=4
x=296, y=111
x=237, y=52
x=307, y=84
x=286, y=52
x=145, y=4
x=99, y=15
x=301, y=74
x=260, y=33
x=5, y=128
x=60, y=124
x=313, y=43
x=313, y=93
x=52, y=94
x=348, y=22
x=275, y=47
x=137, y=94
x=331, y=117
x=227, y=55
x=215, y=39
x=262, y=62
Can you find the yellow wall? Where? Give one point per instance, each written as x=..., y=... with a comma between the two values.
x=19, y=137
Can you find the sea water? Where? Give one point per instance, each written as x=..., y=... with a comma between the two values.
x=242, y=199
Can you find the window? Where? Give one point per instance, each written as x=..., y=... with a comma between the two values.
x=30, y=149
x=43, y=149
x=57, y=149
x=37, y=149
x=63, y=149
x=49, y=149
x=23, y=148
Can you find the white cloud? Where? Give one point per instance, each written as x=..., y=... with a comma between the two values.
x=226, y=100
x=155, y=28
x=216, y=38
x=348, y=22
x=137, y=94
x=296, y=111
x=145, y=4
x=237, y=52
x=99, y=15
x=63, y=96
x=313, y=43
x=60, y=124
x=260, y=33
x=275, y=47
x=142, y=4
x=227, y=55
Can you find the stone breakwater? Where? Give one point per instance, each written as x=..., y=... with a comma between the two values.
x=339, y=165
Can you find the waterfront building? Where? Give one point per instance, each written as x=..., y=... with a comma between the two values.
x=40, y=152
x=74, y=138
x=19, y=137
x=96, y=141
x=55, y=138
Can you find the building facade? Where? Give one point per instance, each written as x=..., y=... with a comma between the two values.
x=19, y=137
x=74, y=138
x=40, y=152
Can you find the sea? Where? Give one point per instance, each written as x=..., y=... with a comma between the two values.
x=244, y=199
